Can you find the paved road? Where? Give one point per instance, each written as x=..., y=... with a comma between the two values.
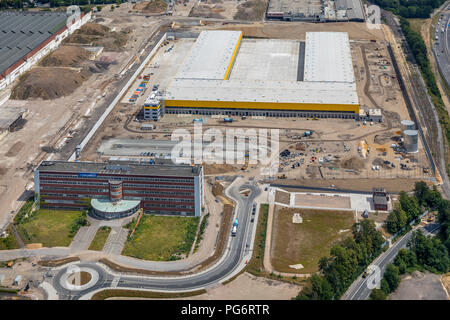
x=441, y=45
x=359, y=289
x=233, y=258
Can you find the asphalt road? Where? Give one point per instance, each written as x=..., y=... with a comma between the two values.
x=233, y=258
x=359, y=289
x=441, y=45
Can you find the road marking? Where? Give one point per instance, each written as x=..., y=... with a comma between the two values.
x=115, y=282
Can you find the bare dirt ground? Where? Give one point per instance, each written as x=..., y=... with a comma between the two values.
x=297, y=30
x=445, y=279
x=420, y=286
x=246, y=287
x=322, y=201
x=252, y=10
x=53, y=123
x=282, y=197
x=217, y=9
x=391, y=185
x=154, y=6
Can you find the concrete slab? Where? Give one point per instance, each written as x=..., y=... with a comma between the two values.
x=268, y=59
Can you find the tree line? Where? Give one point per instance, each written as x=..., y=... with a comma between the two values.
x=350, y=257
x=410, y=8
x=424, y=253
x=409, y=208
x=346, y=261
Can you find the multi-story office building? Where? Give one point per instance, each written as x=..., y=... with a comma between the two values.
x=118, y=189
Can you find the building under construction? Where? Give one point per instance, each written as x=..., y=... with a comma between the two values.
x=226, y=74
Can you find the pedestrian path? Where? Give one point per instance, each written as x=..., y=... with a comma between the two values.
x=84, y=237
x=116, y=241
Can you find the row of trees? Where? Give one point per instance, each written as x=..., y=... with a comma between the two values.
x=423, y=253
x=405, y=211
x=410, y=8
x=346, y=261
x=409, y=208
x=419, y=51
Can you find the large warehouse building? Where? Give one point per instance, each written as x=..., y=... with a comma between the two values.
x=26, y=37
x=226, y=74
x=119, y=189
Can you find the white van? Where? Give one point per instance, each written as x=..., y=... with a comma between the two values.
x=233, y=231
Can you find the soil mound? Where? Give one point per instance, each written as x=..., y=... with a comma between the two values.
x=48, y=83
x=66, y=56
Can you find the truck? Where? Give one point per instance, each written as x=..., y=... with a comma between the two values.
x=235, y=223
x=227, y=119
x=307, y=133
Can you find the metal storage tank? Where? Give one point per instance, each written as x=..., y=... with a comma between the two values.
x=411, y=140
x=408, y=125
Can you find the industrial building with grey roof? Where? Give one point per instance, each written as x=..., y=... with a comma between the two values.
x=21, y=33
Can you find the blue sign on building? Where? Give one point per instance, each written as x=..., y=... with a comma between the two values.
x=87, y=175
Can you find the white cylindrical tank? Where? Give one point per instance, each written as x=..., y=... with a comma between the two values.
x=411, y=140
x=408, y=125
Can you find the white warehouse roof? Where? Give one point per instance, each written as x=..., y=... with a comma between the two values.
x=328, y=57
x=211, y=55
x=262, y=91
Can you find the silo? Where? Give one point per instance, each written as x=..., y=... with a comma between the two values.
x=408, y=125
x=411, y=140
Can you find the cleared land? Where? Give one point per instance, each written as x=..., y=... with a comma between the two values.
x=154, y=6
x=307, y=200
x=52, y=228
x=100, y=238
x=99, y=35
x=419, y=286
x=305, y=243
x=252, y=10
x=161, y=238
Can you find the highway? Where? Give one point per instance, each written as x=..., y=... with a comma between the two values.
x=441, y=45
x=359, y=289
x=232, y=260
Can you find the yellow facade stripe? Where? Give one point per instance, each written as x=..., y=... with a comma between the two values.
x=232, y=57
x=263, y=105
x=156, y=107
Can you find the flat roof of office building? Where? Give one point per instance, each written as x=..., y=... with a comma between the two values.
x=263, y=91
x=200, y=63
x=122, y=167
x=328, y=57
x=23, y=32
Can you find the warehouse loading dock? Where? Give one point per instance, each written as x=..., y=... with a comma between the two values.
x=225, y=74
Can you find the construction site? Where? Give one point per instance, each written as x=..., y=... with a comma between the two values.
x=313, y=144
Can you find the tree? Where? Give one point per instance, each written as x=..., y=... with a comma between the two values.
x=421, y=189
x=392, y=276
x=392, y=222
x=377, y=294
x=319, y=289
x=410, y=205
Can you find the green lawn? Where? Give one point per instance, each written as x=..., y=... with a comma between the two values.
x=305, y=243
x=52, y=228
x=100, y=238
x=10, y=242
x=162, y=238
